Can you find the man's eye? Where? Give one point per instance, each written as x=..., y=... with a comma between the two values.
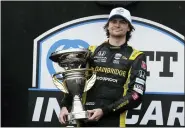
x=114, y=21
x=123, y=22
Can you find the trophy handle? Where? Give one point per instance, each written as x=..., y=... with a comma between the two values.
x=90, y=82
x=59, y=85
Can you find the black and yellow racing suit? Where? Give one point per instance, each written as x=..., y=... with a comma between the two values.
x=119, y=86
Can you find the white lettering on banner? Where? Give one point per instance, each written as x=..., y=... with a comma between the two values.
x=52, y=105
x=134, y=118
x=156, y=106
x=158, y=117
x=176, y=115
x=140, y=81
x=38, y=108
x=172, y=117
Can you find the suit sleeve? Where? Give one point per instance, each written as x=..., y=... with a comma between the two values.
x=66, y=101
x=91, y=49
x=135, y=88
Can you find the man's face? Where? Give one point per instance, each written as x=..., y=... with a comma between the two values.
x=118, y=27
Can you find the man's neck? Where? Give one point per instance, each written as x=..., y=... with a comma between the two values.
x=116, y=41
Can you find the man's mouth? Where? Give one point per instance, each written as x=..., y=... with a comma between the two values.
x=117, y=30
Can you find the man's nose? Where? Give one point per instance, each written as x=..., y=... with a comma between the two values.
x=117, y=24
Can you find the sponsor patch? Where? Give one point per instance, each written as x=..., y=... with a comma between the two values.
x=117, y=56
x=142, y=74
x=135, y=96
x=116, y=61
x=101, y=53
x=138, y=88
x=106, y=79
x=90, y=103
x=125, y=58
x=140, y=81
x=143, y=65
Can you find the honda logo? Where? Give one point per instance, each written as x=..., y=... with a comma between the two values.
x=101, y=53
x=142, y=74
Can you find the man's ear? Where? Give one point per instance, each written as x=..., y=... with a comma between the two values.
x=108, y=28
x=128, y=30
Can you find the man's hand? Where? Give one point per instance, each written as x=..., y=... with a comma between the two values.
x=63, y=115
x=95, y=114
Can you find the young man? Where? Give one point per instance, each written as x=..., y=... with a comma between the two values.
x=121, y=75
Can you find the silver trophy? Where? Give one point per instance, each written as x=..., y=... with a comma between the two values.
x=75, y=78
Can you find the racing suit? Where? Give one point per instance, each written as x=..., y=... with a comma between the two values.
x=120, y=83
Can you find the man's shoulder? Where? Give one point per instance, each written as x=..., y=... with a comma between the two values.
x=133, y=49
x=92, y=48
x=135, y=52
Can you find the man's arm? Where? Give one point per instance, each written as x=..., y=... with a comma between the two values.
x=135, y=88
x=65, y=106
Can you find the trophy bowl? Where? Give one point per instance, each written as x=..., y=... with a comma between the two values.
x=75, y=77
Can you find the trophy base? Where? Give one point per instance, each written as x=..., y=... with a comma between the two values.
x=78, y=115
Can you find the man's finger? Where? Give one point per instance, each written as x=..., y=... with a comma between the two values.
x=97, y=118
x=59, y=119
x=90, y=111
x=93, y=117
x=63, y=119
